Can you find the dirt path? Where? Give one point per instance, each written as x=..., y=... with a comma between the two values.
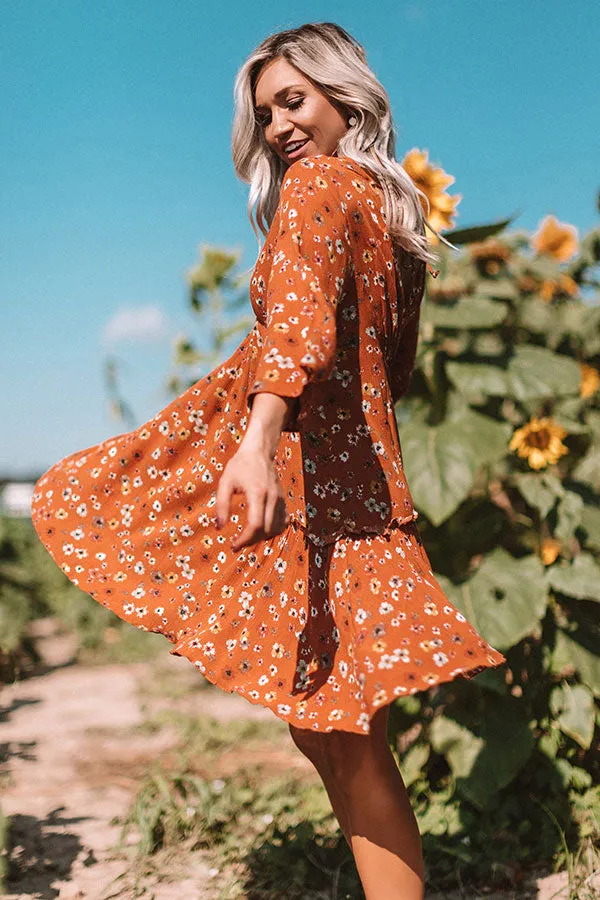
x=70, y=760
x=72, y=763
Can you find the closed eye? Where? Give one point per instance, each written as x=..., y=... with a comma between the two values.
x=264, y=118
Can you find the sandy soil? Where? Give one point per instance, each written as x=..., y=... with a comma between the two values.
x=70, y=763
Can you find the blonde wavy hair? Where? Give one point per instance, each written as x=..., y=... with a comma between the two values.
x=335, y=62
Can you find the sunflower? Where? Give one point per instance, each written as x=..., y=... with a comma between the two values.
x=590, y=380
x=556, y=287
x=539, y=442
x=555, y=239
x=490, y=255
x=432, y=181
x=549, y=550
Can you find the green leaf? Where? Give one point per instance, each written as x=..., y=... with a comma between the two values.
x=540, y=491
x=535, y=315
x=15, y=613
x=587, y=469
x=480, y=232
x=474, y=379
x=580, y=579
x=590, y=522
x=532, y=372
x=485, y=752
x=442, y=815
x=505, y=599
x=570, y=508
x=488, y=343
x=578, y=651
x=412, y=763
x=574, y=709
x=537, y=372
x=442, y=462
x=591, y=336
x=592, y=420
x=213, y=269
x=566, y=413
x=467, y=312
x=498, y=288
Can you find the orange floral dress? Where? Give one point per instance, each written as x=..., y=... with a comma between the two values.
x=340, y=613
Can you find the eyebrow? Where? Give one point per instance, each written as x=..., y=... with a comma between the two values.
x=283, y=91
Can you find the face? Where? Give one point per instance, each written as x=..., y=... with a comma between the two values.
x=290, y=108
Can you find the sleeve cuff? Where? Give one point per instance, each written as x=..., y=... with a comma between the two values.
x=288, y=391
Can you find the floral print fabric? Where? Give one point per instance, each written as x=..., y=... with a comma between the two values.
x=334, y=334
x=340, y=613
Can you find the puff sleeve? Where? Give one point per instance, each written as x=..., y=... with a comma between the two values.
x=305, y=283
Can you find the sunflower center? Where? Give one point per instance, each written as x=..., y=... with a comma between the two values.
x=539, y=440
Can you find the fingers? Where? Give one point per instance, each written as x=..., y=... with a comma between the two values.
x=254, y=529
x=271, y=509
x=267, y=513
x=224, y=491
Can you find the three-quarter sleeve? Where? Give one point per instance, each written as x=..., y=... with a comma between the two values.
x=305, y=283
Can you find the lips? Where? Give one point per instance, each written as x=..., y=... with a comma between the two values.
x=297, y=148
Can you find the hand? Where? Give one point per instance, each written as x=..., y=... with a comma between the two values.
x=252, y=473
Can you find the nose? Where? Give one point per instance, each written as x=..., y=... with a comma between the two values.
x=280, y=123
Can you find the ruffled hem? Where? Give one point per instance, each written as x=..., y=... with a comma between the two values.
x=384, y=529
x=294, y=712
x=319, y=697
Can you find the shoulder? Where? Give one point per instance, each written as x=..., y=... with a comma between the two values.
x=318, y=174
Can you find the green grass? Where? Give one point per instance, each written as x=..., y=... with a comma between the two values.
x=265, y=830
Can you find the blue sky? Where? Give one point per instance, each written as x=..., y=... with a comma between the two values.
x=115, y=165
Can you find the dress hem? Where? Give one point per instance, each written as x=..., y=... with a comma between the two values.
x=466, y=672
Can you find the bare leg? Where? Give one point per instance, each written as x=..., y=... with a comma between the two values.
x=310, y=745
x=361, y=774
x=385, y=835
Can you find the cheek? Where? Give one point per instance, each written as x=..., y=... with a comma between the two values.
x=327, y=116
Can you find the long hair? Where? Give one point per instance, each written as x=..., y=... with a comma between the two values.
x=336, y=64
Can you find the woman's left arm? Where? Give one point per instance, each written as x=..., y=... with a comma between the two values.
x=305, y=285
x=309, y=266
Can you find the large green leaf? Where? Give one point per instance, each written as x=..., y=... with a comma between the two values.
x=498, y=288
x=591, y=337
x=487, y=343
x=441, y=462
x=467, y=312
x=580, y=579
x=474, y=379
x=532, y=372
x=570, y=509
x=537, y=372
x=592, y=420
x=540, y=491
x=587, y=469
x=535, y=315
x=485, y=752
x=578, y=651
x=574, y=709
x=505, y=599
x=590, y=522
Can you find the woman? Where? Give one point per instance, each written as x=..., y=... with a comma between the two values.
x=262, y=521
